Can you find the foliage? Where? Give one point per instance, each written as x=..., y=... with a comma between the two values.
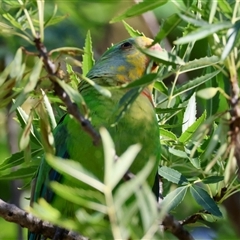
x=195, y=118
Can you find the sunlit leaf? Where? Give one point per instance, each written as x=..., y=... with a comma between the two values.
x=168, y=135
x=207, y=93
x=49, y=110
x=195, y=83
x=188, y=133
x=233, y=35
x=132, y=32
x=161, y=87
x=88, y=60
x=189, y=116
x=81, y=197
x=75, y=170
x=199, y=63
x=25, y=137
x=203, y=32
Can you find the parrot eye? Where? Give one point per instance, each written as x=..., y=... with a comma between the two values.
x=126, y=45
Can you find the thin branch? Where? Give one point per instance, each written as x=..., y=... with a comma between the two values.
x=72, y=108
x=176, y=228
x=11, y=213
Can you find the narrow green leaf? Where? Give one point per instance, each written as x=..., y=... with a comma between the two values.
x=165, y=134
x=22, y=173
x=168, y=25
x=45, y=129
x=199, y=63
x=74, y=51
x=109, y=154
x=81, y=197
x=18, y=158
x=213, y=142
x=194, y=21
x=31, y=84
x=12, y=20
x=4, y=74
x=23, y=119
x=34, y=76
x=147, y=207
x=47, y=212
x=172, y=175
x=6, y=88
x=104, y=91
x=160, y=110
x=21, y=98
x=49, y=110
x=126, y=190
x=16, y=64
x=40, y=5
x=75, y=170
x=196, y=162
x=188, y=133
x=174, y=198
x=195, y=83
x=88, y=60
x=125, y=102
x=53, y=19
x=143, y=81
x=213, y=10
x=25, y=137
x=204, y=200
x=225, y=8
x=161, y=87
x=163, y=57
x=212, y=179
x=208, y=217
x=189, y=116
x=233, y=35
x=177, y=152
x=123, y=164
x=139, y=8
x=72, y=93
x=132, y=32
x=203, y=32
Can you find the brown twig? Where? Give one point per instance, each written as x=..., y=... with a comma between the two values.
x=176, y=228
x=72, y=108
x=11, y=213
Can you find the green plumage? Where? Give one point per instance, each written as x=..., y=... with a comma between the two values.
x=121, y=63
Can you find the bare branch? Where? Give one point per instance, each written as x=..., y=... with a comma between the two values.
x=176, y=228
x=11, y=213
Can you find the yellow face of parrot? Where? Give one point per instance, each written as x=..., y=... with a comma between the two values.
x=124, y=62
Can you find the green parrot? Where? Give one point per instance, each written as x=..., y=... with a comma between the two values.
x=120, y=64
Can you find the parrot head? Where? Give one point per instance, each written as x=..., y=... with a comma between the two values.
x=124, y=62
